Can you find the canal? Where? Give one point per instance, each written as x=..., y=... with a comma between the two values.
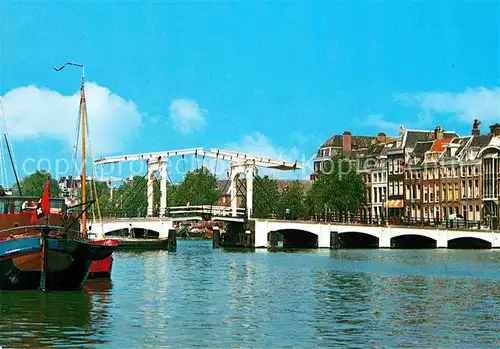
x=200, y=297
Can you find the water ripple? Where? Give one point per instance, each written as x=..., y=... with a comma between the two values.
x=204, y=298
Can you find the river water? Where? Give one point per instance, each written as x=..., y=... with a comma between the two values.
x=205, y=298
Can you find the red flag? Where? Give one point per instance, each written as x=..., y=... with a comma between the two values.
x=43, y=207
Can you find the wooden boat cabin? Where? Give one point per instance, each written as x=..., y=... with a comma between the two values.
x=17, y=211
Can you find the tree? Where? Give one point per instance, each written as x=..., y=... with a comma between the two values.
x=34, y=184
x=265, y=197
x=340, y=188
x=103, y=197
x=131, y=197
x=315, y=200
x=291, y=203
x=199, y=187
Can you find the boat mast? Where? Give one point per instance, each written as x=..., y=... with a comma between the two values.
x=83, y=117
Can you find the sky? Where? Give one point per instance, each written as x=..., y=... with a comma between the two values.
x=272, y=78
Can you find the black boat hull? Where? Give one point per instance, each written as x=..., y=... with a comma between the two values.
x=68, y=263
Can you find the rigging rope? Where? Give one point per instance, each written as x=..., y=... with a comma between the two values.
x=132, y=190
x=3, y=163
x=215, y=173
x=93, y=187
x=75, y=149
x=8, y=143
x=3, y=166
x=266, y=195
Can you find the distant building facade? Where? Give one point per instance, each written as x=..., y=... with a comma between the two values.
x=424, y=174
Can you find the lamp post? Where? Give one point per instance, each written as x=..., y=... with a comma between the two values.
x=384, y=205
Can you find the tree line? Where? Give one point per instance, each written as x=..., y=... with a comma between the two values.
x=339, y=191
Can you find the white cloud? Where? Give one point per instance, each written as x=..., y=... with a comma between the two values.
x=260, y=145
x=31, y=111
x=474, y=103
x=186, y=115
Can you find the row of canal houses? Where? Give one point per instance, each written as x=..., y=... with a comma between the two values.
x=424, y=174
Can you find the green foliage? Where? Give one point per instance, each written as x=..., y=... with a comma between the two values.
x=172, y=195
x=34, y=184
x=265, y=197
x=131, y=197
x=341, y=188
x=199, y=187
x=103, y=197
x=292, y=198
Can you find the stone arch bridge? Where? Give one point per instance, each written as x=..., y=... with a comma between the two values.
x=322, y=235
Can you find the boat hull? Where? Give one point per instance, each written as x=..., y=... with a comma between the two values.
x=102, y=269
x=67, y=265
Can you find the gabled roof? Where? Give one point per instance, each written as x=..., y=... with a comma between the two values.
x=440, y=144
x=356, y=142
x=480, y=141
x=411, y=137
x=421, y=148
x=375, y=149
x=462, y=141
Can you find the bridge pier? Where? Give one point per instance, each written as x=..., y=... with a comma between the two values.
x=334, y=240
x=161, y=167
x=172, y=240
x=238, y=235
x=442, y=239
x=249, y=171
x=216, y=237
x=384, y=240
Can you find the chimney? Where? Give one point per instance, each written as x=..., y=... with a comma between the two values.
x=401, y=131
x=381, y=137
x=346, y=141
x=495, y=130
x=438, y=132
x=476, y=131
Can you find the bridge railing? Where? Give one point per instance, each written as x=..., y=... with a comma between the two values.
x=202, y=210
x=458, y=223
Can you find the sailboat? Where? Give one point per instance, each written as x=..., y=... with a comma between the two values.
x=100, y=269
x=42, y=246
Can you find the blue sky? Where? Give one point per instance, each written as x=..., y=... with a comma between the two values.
x=274, y=77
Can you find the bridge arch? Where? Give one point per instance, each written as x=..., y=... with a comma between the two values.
x=296, y=238
x=153, y=228
x=466, y=240
x=357, y=239
x=469, y=243
x=413, y=240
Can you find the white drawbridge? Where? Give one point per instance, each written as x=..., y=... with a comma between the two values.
x=239, y=163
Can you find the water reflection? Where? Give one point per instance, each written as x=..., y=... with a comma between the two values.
x=31, y=319
x=201, y=297
x=339, y=295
